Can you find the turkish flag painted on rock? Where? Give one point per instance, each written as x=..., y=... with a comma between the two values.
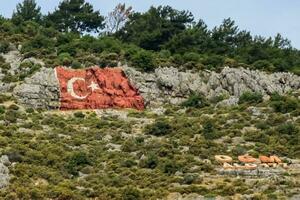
x=95, y=88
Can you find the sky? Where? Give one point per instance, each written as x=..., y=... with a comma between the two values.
x=260, y=17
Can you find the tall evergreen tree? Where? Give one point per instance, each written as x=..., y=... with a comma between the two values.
x=28, y=10
x=76, y=16
x=152, y=29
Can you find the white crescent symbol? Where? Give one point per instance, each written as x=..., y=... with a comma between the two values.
x=70, y=88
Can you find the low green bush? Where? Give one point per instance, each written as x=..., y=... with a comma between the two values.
x=131, y=193
x=251, y=98
x=151, y=161
x=143, y=60
x=195, y=101
x=4, y=45
x=77, y=161
x=288, y=129
x=159, y=128
x=284, y=104
x=79, y=114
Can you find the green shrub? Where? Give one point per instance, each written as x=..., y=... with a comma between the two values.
x=191, y=56
x=195, y=101
x=209, y=131
x=288, y=129
x=128, y=163
x=151, y=161
x=65, y=58
x=251, y=98
x=256, y=136
x=159, y=128
x=214, y=61
x=143, y=60
x=262, y=65
x=284, y=104
x=79, y=114
x=131, y=193
x=108, y=60
x=14, y=156
x=4, y=45
x=76, y=64
x=170, y=167
x=77, y=161
x=11, y=116
x=29, y=110
x=189, y=178
x=2, y=109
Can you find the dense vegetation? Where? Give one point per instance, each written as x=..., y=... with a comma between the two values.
x=162, y=36
x=88, y=155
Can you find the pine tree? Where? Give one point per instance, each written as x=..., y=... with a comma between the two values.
x=28, y=10
x=76, y=16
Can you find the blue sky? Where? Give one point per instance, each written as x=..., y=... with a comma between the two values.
x=261, y=17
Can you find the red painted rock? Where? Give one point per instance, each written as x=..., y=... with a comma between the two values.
x=95, y=88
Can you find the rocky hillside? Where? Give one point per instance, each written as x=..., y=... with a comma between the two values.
x=166, y=151
x=192, y=113
x=164, y=85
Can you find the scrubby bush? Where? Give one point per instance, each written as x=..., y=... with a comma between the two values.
x=159, y=128
x=131, y=193
x=288, y=129
x=76, y=162
x=195, y=101
x=251, y=97
x=4, y=46
x=128, y=163
x=284, y=104
x=11, y=116
x=170, y=167
x=209, y=131
x=151, y=161
x=79, y=114
x=189, y=178
x=65, y=59
x=2, y=109
x=214, y=61
x=143, y=60
x=256, y=136
x=262, y=65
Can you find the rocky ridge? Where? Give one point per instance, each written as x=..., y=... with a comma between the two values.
x=169, y=85
x=164, y=85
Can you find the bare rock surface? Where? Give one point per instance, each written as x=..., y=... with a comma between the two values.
x=172, y=86
x=39, y=91
x=4, y=171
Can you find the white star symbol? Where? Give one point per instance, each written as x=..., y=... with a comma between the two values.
x=93, y=86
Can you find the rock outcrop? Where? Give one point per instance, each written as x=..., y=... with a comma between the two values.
x=4, y=171
x=14, y=58
x=39, y=91
x=169, y=85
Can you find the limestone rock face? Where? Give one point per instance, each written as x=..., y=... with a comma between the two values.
x=166, y=85
x=172, y=86
x=39, y=91
x=236, y=81
x=169, y=85
x=15, y=59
